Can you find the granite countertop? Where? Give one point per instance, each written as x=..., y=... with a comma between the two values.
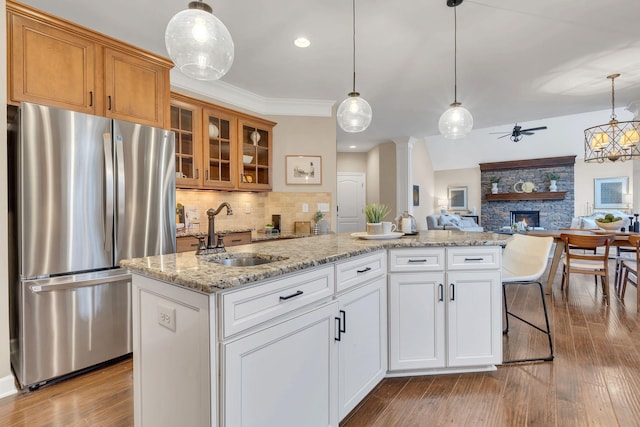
x=201, y=274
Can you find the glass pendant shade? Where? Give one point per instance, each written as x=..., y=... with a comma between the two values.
x=199, y=43
x=354, y=113
x=456, y=122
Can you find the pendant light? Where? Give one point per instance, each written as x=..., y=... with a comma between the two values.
x=198, y=43
x=354, y=113
x=612, y=141
x=456, y=122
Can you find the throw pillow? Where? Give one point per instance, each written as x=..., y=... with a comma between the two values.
x=589, y=223
x=576, y=223
x=449, y=220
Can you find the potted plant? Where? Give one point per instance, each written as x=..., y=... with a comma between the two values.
x=321, y=226
x=552, y=178
x=375, y=213
x=494, y=180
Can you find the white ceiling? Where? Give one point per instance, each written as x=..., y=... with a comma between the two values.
x=518, y=60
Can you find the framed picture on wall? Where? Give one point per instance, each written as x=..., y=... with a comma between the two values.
x=304, y=169
x=609, y=192
x=416, y=195
x=457, y=198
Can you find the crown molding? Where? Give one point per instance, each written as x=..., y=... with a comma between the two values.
x=242, y=98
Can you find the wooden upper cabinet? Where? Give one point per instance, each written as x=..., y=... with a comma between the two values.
x=54, y=62
x=50, y=66
x=255, y=152
x=219, y=149
x=135, y=89
x=215, y=147
x=186, y=123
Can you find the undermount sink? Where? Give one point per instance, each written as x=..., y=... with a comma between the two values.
x=245, y=259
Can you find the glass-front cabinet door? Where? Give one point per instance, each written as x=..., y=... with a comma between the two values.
x=219, y=149
x=255, y=165
x=186, y=123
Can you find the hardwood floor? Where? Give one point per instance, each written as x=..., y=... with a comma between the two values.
x=594, y=379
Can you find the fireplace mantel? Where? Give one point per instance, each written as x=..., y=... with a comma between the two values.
x=540, y=195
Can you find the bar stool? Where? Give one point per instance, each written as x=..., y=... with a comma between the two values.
x=584, y=263
x=630, y=266
x=524, y=260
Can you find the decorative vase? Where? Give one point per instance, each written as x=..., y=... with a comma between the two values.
x=494, y=188
x=374, y=228
x=552, y=185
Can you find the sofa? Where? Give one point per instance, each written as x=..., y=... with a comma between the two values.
x=451, y=222
x=589, y=221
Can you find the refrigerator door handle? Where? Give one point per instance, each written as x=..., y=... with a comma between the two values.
x=37, y=286
x=120, y=196
x=108, y=220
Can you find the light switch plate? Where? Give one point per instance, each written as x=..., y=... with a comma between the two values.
x=305, y=207
x=167, y=316
x=247, y=208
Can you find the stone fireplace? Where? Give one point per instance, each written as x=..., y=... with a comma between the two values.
x=555, y=209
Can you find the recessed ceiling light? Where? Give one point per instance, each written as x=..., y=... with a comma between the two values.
x=302, y=42
x=353, y=146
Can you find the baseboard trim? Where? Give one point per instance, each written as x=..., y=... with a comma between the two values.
x=7, y=386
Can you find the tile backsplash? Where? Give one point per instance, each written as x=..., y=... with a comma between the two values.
x=251, y=210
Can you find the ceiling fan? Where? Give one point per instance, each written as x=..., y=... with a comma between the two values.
x=517, y=133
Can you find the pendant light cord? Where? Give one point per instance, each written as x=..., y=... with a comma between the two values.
x=354, y=45
x=455, y=56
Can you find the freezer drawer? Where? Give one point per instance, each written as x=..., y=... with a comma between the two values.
x=71, y=323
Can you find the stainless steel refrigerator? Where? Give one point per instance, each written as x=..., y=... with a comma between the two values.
x=85, y=193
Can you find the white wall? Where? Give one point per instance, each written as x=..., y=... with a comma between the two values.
x=351, y=162
x=373, y=175
x=469, y=178
x=564, y=137
x=423, y=176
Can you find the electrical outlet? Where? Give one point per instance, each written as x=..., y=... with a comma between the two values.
x=167, y=317
x=247, y=208
x=305, y=207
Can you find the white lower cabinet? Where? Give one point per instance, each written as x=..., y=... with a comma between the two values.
x=284, y=375
x=474, y=318
x=416, y=321
x=173, y=383
x=362, y=342
x=445, y=320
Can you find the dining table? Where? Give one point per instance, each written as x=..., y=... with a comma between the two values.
x=621, y=238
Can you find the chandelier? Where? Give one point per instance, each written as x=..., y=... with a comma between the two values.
x=199, y=43
x=354, y=113
x=612, y=141
x=456, y=122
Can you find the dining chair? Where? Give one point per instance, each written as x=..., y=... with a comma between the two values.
x=596, y=264
x=524, y=260
x=630, y=266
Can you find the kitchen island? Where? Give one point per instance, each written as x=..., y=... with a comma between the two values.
x=302, y=339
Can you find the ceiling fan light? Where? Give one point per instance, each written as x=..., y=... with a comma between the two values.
x=456, y=122
x=354, y=114
x=199, y=43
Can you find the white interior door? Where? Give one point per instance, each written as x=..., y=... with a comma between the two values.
x=351, y=201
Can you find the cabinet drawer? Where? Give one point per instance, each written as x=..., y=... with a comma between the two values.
x=359, y=270
x=474, y=258
x=249, y=307
x=185, y=244
x=239, y=238
x=417, y=259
